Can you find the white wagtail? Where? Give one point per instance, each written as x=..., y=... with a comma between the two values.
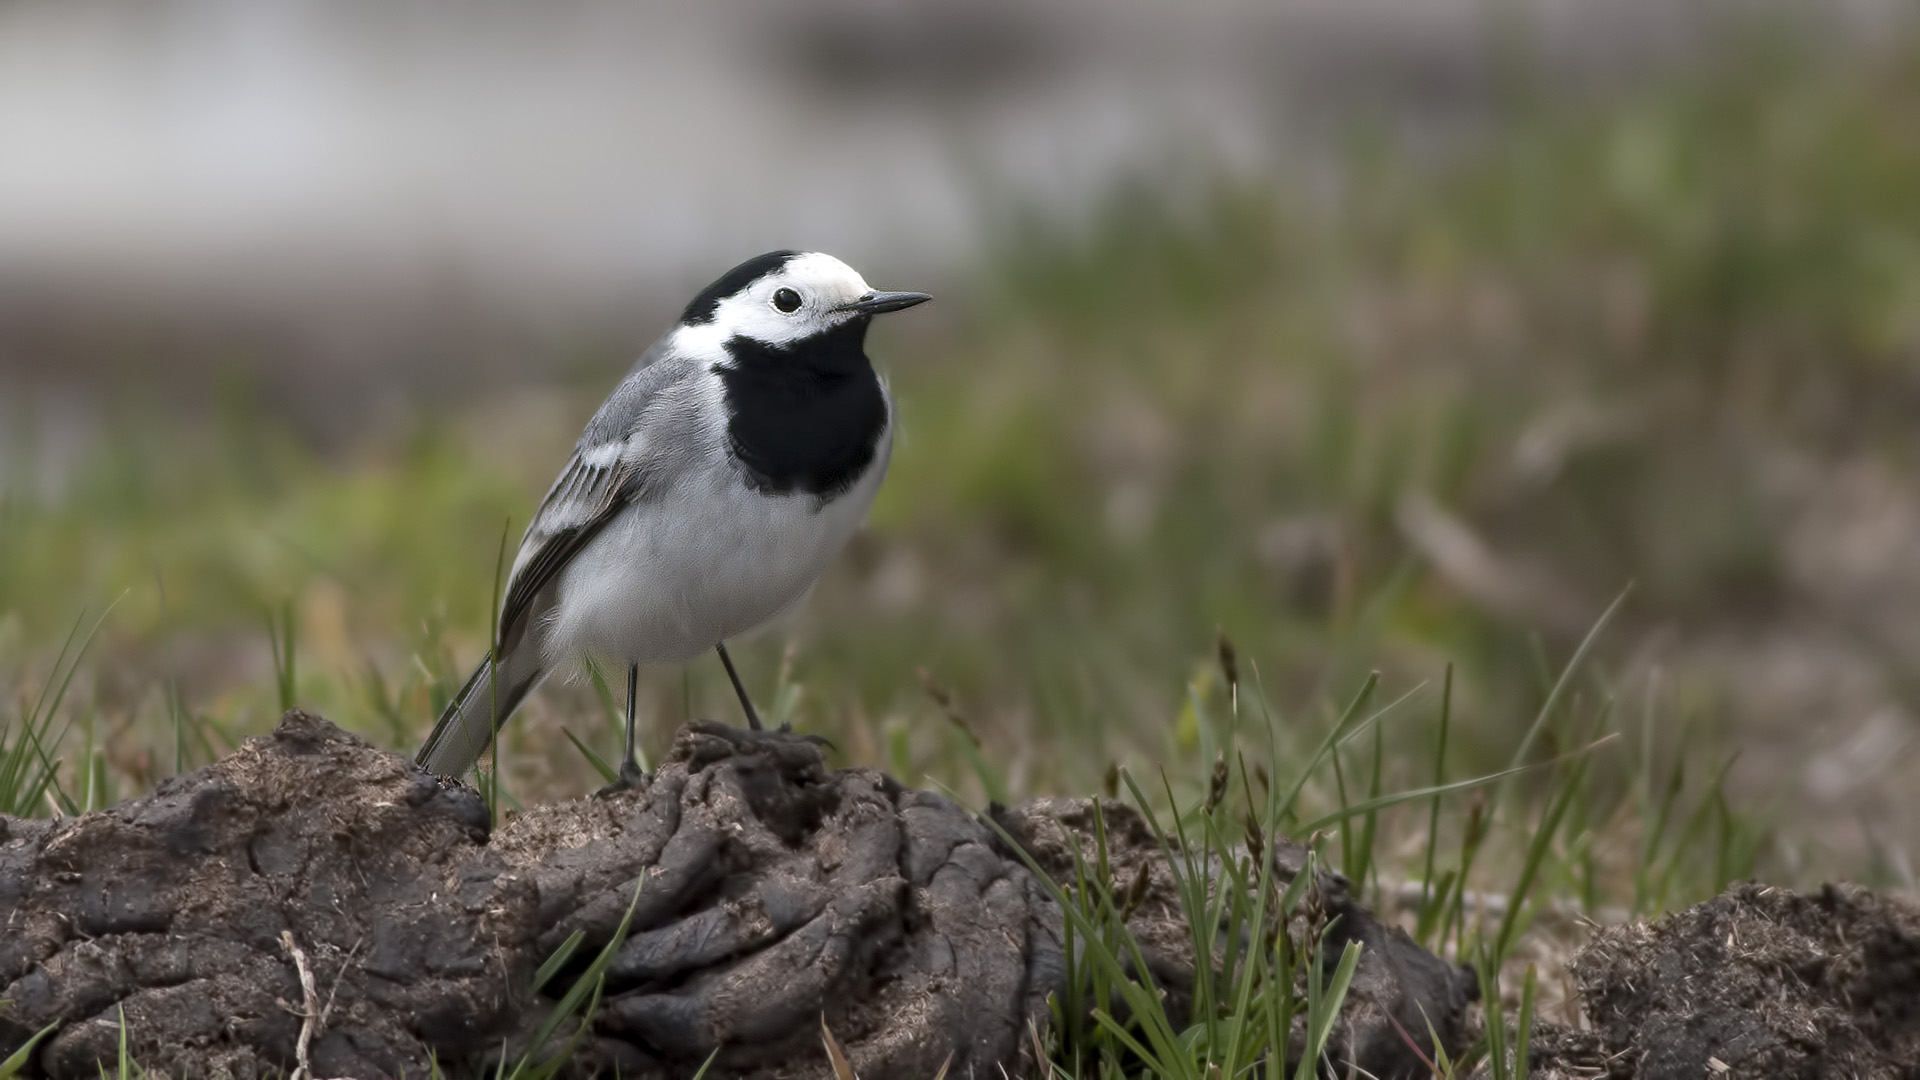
x=703, y=499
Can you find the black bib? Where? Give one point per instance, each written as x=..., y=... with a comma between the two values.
x=807, y=417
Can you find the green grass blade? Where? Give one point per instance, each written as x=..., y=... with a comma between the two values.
x=1543, y=835
x=28, y=772
x=1424, y=925
x=1560, y=686
x=1369, y=823
x=17, y=1061
x=280, y=633
x=557, y=961
x=1354, y=710
x=1523, y=1027
x=1324, y=1001
x=607, y=772
x=586, y=987
x=1334, y=817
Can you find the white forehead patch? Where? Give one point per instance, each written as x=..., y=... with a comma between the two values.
x=822, y=283
x=822, y=272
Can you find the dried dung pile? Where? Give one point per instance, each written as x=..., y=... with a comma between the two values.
x=312, y=901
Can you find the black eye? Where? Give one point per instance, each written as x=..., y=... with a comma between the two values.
x=786, y=300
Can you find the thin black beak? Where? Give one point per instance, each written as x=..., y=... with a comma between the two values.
x=876, y=302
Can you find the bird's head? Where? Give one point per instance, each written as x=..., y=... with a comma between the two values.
x=785, y=298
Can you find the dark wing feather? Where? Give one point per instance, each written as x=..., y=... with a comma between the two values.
x=580, y=504
x=587, y=496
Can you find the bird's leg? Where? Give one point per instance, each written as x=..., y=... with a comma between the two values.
x=753, y=718
x=630, y=775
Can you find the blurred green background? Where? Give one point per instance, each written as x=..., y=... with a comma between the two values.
x=1429, y=384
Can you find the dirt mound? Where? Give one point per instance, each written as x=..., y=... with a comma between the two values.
x=313, y=900
x=1758, y=981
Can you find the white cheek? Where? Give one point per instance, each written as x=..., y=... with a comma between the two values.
x=755, y=318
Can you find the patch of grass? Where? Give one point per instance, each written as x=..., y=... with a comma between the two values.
x=1282, y=986
x=29, y=741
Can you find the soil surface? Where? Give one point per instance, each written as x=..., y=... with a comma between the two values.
x=314, y=901
x=1757, y=982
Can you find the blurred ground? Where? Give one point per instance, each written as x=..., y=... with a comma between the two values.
x=1381, y=334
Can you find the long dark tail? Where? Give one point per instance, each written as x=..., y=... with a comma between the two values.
x=478, y=711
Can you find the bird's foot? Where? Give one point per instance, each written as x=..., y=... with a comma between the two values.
x=631, y=779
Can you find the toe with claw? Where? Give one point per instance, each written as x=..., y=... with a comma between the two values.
x=631, y=779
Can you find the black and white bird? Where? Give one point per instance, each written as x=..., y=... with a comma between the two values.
x=704, y=498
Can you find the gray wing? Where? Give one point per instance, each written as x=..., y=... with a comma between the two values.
x=612, y=466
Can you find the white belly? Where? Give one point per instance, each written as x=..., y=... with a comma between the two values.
x=669, y=579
